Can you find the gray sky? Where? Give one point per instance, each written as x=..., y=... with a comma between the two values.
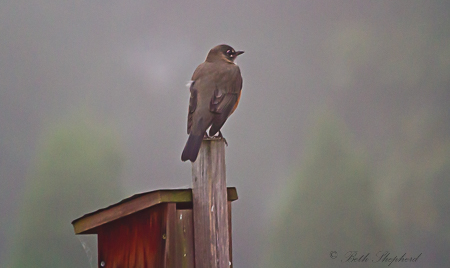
x=126, y=63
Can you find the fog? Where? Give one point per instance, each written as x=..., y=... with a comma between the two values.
x=378, y=69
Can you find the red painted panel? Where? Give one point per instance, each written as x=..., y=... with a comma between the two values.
x=137, y=240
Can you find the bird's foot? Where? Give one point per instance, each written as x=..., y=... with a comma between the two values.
x=217, y=136
x=221, y=136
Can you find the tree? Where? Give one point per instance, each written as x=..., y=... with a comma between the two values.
x=77, y=169
x=329, y=206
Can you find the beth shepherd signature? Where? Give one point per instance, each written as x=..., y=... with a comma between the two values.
x=379, y=257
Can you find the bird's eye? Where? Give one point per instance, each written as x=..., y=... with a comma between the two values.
x=230, y=52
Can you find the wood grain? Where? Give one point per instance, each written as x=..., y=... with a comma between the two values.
x=210, y=208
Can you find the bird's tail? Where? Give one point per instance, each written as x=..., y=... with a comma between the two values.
x=192, y=148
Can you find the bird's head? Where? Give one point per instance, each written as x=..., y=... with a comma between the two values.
x=224, y=53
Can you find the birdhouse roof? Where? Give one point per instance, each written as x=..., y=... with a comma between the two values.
x=135, y=203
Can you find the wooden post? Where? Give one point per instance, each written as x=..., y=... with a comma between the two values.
x=210, y=208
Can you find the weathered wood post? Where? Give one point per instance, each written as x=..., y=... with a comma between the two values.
x=210, y=208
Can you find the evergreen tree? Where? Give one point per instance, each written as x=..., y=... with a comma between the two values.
x=329, y=207
x=76, y=171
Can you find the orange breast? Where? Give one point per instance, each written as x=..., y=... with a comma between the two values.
x=237, y=102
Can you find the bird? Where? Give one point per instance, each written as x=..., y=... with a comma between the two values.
x=215, y=91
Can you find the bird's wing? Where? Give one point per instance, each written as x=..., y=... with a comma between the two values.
x=225, y=98
x=227, y=90
x=222, y=102
x=192, y=106
x=193, y=100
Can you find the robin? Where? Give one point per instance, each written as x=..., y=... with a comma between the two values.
x=215, y=92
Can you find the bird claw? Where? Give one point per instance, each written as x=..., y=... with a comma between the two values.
x=221, y=136
x=218, y=136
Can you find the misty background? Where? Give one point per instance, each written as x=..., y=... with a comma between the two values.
x=340, y=142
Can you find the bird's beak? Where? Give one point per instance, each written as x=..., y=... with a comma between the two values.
x=239, y=53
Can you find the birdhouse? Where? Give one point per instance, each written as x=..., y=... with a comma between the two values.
x=152, y=229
